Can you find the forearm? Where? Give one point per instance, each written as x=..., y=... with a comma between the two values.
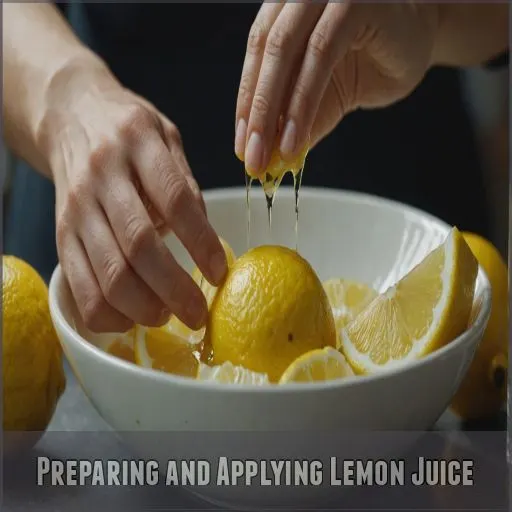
x=470, y=34
x=39, y=49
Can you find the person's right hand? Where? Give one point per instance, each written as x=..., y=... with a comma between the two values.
x=121, y=180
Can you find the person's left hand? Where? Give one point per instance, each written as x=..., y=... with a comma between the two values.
x=308, y=65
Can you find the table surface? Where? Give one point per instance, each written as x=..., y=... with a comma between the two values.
x=75, y=413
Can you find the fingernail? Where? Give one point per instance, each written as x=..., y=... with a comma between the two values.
x=240, y=136
x=218, y=266
x=254, y=153
x=289, y=140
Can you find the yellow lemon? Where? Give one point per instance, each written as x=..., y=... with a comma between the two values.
x=161, y=350
x=33, y=376
x=425, y=310
x=316, y=366
x=484, y=388
x=277, y=168
x=271, y=309
x=347, y=299
x=175, y=325
x=123, y=346
x=228, y=373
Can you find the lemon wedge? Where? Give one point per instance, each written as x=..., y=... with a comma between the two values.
x=159, y=349
x=347, y=298
x=424, y=311
x=228, y=373
x=121, y=345
x=316, y=366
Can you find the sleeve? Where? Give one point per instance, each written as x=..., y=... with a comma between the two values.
x=499, y=62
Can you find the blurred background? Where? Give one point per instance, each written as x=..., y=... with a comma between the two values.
x=486, y=94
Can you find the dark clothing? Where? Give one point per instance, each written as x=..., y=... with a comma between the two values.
x=187, y=60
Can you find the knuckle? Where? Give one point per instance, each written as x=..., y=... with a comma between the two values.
x=62, y=229
x=318, y=45
x=301, y=99
x=100, y=157
x=173, y=133
x=278, y=41
x=93, y=311
x=77, y=193
x=260, y=105
x=115, y=272
x=135, y=120
x=139, y=236
x=257, y=39
x=178, y=196
x=244, y=91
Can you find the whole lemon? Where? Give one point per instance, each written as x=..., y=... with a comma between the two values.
x=484, y=388
x=33, y=376
x=271, y=309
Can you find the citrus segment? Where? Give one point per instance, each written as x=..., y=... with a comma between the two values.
x=347, y=299
x=159, y=349
x=316, y=366
x=424, y=311
x=123, y=346
x=271, y=309
x=228, y=373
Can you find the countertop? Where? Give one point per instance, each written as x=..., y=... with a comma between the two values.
x=75, y=413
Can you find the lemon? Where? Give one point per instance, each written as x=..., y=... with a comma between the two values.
x=425, y=310
x=271, y=309
x=318, y=365
x=122, y=346
x=162, y=350
x=33, y=375
x=228, y=373
x=347, y=298
x=484, y=388
x=175, y=325
x=277, y=168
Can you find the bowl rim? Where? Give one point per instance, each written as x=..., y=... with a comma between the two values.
x=57, y=280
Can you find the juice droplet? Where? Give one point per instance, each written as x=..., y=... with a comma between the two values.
x=297, y=181
x=248, y=183
x=270, y=186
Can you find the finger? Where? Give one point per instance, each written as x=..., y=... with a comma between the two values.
x=97, y=314
x=285, y=47
x=329, y=42
x=169, y=191
x=256, y=42
x=147, y=254
x=123, y=289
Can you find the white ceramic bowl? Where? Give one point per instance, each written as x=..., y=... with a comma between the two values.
x=341, y=234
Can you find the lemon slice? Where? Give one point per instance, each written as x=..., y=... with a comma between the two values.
x=347, y=299
x=121, y=345
x=228, y=373
x=162, y=350
x=424, y=311
x=316, y=366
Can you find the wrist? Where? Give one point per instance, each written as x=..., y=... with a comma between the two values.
x=436, y=14
x=67, y=90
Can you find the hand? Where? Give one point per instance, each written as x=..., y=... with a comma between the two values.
x=308, y=65
x=121, y=180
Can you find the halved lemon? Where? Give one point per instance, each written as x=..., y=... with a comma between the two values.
x=316, y=366
x=424, y=311
x=162, y=350
x=347, y=299
x=228, y=373
x=122, y=346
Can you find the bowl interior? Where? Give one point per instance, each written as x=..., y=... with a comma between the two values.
x=342, y=234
